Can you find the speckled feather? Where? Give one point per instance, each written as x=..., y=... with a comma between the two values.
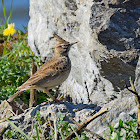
x=52, y=69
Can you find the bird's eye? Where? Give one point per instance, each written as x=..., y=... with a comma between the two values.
x=64, y=46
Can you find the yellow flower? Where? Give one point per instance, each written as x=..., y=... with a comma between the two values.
x=10, y=30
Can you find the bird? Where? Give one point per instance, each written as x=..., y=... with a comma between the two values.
x=52, y=73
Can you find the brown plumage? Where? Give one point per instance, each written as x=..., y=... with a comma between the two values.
x=52, y=73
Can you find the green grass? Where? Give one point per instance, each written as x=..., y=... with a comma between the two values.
x=125, y=130
x=14, y=70
x=15, y=67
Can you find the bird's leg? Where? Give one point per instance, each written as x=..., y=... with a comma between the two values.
x=33, y=92
x=54, y=99
x=33, y=98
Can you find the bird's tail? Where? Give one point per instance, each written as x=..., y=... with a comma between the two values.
x=15, y=95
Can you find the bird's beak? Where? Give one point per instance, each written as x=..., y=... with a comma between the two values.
x=73, y=43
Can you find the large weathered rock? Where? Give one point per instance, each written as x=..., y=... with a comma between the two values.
x=107, y=52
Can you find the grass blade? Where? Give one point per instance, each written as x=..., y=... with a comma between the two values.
x=11, y=10
x=75, y=132
x=4, y=51
x=4, y=12
x=37, y=132
x=12, y=124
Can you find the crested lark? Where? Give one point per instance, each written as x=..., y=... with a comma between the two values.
x=52, y=73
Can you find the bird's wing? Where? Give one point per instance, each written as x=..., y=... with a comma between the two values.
x=48, y=71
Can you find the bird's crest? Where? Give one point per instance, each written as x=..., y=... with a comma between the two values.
x=60, y=40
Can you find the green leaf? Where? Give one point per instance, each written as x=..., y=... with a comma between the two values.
x=111, y=128
x=84, y=137
x=20, y=32
x=120, y=123
x=25, y=27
